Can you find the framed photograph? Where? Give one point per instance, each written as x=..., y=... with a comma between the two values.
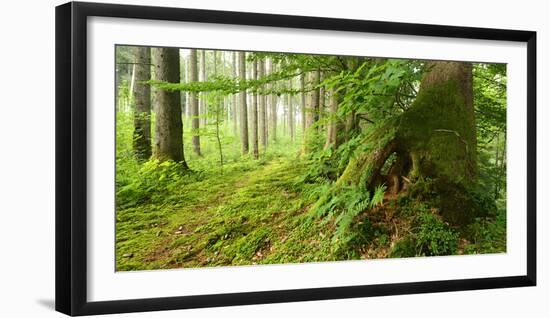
x=208, y=158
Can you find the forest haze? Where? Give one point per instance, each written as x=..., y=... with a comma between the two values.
x=238, y=158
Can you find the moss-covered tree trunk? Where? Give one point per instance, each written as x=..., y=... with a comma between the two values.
x=142, y=96
x=434, y=141
x=168, y=126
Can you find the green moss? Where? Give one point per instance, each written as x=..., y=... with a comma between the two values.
x=440, y=134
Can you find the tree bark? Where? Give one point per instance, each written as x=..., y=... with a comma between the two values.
x=273, y=106
x=312, y=112
x=334, y=125
x=142, y=97
x=234, y=105
x=254, y=115
x=321, y=108
x=311, y=109
x=291, y=113
x=262, y=107
x=303, y=102
x=168, y=127
x=194, y=103
x=202, y=101
x=242, y=105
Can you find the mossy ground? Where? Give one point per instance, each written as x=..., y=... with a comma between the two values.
x=245, y=216
x=257, y=214
x=260, y=212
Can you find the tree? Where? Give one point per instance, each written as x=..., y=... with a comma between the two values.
x=303, y=102
x=254, y=114
x=291, y=113
x=234, y=102
x=435, y=140
x=203, y=78
x=194, y=103
x=334, y=124
x=322, y=96
x=168, y=126
x=262, y=107
x=142, y=97
x=311, y=109
x=242, y=104
x=272, y=105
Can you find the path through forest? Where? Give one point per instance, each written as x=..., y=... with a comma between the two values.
x=235, y=218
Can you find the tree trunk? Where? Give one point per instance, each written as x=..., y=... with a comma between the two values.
x=434, y=140
x=234, y=101
x=254, y=115
x=303, y=102
x=273, y=106
x=334, y=125
x=194, y=103
x=168, y=126
x=183, y=95
x=291, y=113
x=312, y=112
x=262, y=106
x=202, y=102
x=311, y=109
x=321, y=108
x=142, y=97
x=242, y=105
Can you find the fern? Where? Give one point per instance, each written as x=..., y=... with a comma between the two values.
x=378, y=197
x=346, y=203
x=353, y=202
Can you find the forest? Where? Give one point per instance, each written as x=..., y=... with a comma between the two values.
x=230, y=158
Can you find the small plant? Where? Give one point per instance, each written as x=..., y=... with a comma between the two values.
x=434, y=237
x=406, y=247
x=378, y=197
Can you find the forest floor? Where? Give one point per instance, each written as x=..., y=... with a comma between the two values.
x=239, y=217
x=256, y=212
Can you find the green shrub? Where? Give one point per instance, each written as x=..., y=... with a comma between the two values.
x=405, y=247
x=434, y=237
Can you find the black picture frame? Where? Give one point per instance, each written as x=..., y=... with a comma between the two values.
x=71, y=157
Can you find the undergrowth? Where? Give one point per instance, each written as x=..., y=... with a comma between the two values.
x=274, y=210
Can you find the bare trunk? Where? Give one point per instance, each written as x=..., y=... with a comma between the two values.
x=168, y=126
x=273, y=107
x=202, y=102
x=194, y=103
x=303, y=102
x=262, y=106
x=312, y=109
x=142, y=97
x=254, y=115
x=291, y=113
x=321, y=109
x=234, y=111
x=333, y=124
x=242, y=105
